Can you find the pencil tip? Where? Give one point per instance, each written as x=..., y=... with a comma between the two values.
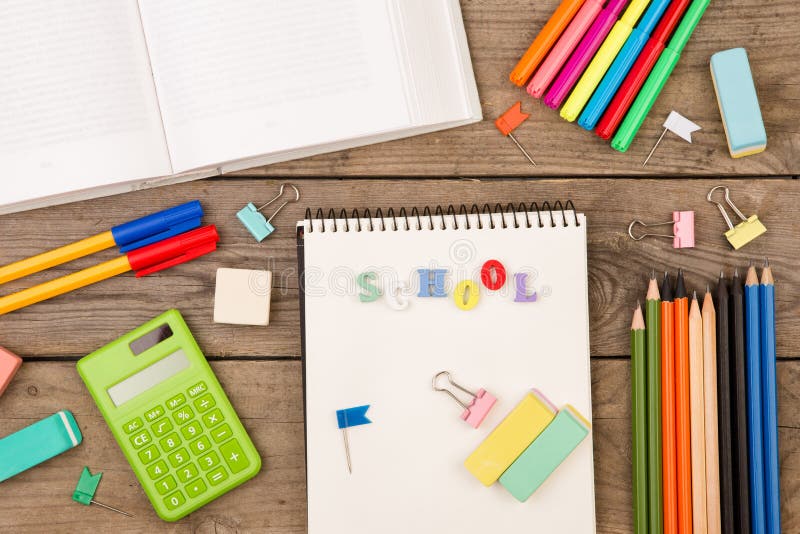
x=735, y=271
x=766, y=262
x=708, y=288
x=653, y=274
x=721, y=273
x=694, y=294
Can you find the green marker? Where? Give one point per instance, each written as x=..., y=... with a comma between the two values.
x=658, y=77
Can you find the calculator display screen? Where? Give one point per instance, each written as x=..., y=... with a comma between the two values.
x=148, y=377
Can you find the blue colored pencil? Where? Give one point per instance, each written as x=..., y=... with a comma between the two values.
x=755, y=443
x=622, y=64
x=770, y=402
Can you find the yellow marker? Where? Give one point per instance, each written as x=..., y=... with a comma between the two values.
x=602, y=60
x=511, y=437
x=49, y=259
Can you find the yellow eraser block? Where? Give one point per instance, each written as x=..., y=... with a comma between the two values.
x=512, y=436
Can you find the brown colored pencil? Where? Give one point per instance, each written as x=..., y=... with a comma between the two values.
x=697, y=418
x=710, y=392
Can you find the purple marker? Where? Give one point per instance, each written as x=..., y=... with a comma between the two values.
x=582, y=55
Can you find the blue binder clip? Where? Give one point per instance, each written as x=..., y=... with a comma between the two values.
x=254, y=220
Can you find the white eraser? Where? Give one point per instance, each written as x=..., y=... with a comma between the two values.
x=242, y=296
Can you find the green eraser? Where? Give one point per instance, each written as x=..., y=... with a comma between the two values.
x=545, y=454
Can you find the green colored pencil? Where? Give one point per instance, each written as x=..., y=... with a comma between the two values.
x=639, y=430
x=654, y=486
x=658, y=77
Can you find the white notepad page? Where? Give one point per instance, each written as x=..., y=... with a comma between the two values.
x=408, y=473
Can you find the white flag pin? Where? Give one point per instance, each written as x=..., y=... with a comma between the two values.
x=677, y=124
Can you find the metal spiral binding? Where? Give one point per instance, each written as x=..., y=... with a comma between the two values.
x=403, y=220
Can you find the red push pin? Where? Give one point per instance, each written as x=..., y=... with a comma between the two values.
x=508, y=122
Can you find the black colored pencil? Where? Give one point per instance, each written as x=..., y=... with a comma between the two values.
x=726, y=470
x=741, y=465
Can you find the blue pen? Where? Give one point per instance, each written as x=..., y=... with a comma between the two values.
x=770, y=402
x=128, y=236
x=622, y=64
x=755, y=443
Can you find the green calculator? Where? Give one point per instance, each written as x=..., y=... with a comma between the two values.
x=170, y=416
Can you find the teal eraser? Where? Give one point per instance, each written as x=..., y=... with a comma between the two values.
x=37, y=443
x=738, y=102
x=545, y=454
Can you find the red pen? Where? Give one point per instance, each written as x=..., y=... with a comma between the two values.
x=146, y=260
x=627, y=92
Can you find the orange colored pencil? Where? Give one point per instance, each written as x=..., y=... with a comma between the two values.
x=544, y=41
x=682, y=407
x=698, y=418
x=668, y=463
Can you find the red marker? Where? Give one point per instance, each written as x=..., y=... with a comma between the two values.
x=627, y=92
x=509, y=121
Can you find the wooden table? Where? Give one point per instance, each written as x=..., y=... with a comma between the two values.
x=260, y=367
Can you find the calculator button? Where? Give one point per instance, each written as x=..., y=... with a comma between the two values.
x=161, y=427
x=197, y=389
x=221, y=433
x=176, y=401
x=208, y=461
x=133, y=425
x=170, y=442
x=234, y=456
x=200, y=446
x=149, y=454
x=205, y=403
x=187, y=472
x=213, y=418
x=157, y=469
x=195, y=487
x=178, y=458
x=192, y=430
x=184, y=415
x=175, y=500
x=154, y=413
x=141, y=439
x=166, y=484
x=217, y=476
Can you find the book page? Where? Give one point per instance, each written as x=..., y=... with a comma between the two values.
x=77, y=102
x=242, y=78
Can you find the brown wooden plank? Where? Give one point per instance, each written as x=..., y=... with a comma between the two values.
x=79, y=323
x=499, y=31
x=268, y=397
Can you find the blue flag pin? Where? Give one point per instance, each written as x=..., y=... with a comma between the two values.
x=346, y=418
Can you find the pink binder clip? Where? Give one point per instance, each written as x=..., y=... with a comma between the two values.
x=476, y=411
x=682, y=229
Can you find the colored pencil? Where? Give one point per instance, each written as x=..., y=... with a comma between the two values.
x=726, y=458
x=641, y=69
x=741, y=476
x=698, y=407
x=711, y=419
x=682, y=407
x=622, y=64
x=658, y=77
x=564, y=47
x=653, y=317
x=584, y=53
x=544, y=41
x=670, y=491
x=755, y=439
x=639, y=430
x=770, y=402
x=602, y=60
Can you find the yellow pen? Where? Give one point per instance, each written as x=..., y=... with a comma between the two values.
x=128, y=236
x=602, y=60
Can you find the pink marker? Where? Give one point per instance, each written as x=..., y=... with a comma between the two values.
x=564, y=47
x=478, y=408
x=584, y=53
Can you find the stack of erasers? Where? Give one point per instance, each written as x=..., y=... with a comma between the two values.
x=528, y=445
x=608, y=70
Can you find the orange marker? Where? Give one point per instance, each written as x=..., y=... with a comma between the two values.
x=544, y=41
x=508, y=122
x=683, y=407
x=668, y=462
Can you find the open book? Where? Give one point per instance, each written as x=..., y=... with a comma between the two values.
x=102, y=97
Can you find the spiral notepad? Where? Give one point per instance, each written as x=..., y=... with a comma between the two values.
x=376, y=330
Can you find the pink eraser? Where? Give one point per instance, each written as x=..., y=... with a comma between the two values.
x=9, y=363
x=479, y=408
x=683, y=229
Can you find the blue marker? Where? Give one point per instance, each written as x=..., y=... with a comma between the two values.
x=622, y=64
